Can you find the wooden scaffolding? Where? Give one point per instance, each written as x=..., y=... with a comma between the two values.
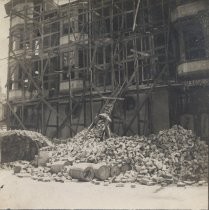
x=71, y=56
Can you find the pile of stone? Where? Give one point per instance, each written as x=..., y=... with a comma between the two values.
x=99, y=129
x=171, y=156
x=20, y=145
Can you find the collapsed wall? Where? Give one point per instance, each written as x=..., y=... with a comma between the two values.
x=20, y=145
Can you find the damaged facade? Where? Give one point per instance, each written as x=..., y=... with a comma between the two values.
x=66, y=59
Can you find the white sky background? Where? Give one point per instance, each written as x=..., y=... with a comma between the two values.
x=4, y=41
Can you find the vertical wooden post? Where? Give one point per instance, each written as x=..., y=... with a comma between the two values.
x=57, y=120
x=42, y=71
x=136, y=69
x=69, y=74
x=90, y=22
x=112, y=48
x=11, y=46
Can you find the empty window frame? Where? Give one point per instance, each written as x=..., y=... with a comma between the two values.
x=194, y=41
x=13, y=43
x=68, y=58
x=65, y=59
x=65, y=27
x=82, y=59
x=82, y=22
x=54, y=64
x=36, y=68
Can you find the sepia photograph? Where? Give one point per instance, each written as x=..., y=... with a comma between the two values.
x=104, y=104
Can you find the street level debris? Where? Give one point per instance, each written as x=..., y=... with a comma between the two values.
x=173, y=156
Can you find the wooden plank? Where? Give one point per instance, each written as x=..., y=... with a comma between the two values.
x=113, y=98
x=136, y=13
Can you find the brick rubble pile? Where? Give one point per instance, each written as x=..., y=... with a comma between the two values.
x=171, y=156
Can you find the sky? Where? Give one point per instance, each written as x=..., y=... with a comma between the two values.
x=4, y=41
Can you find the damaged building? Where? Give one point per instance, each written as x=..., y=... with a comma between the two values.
x=66, y=58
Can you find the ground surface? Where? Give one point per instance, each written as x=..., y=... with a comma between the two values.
x=27, y=193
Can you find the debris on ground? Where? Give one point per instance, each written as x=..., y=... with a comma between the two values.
x=171, y=156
